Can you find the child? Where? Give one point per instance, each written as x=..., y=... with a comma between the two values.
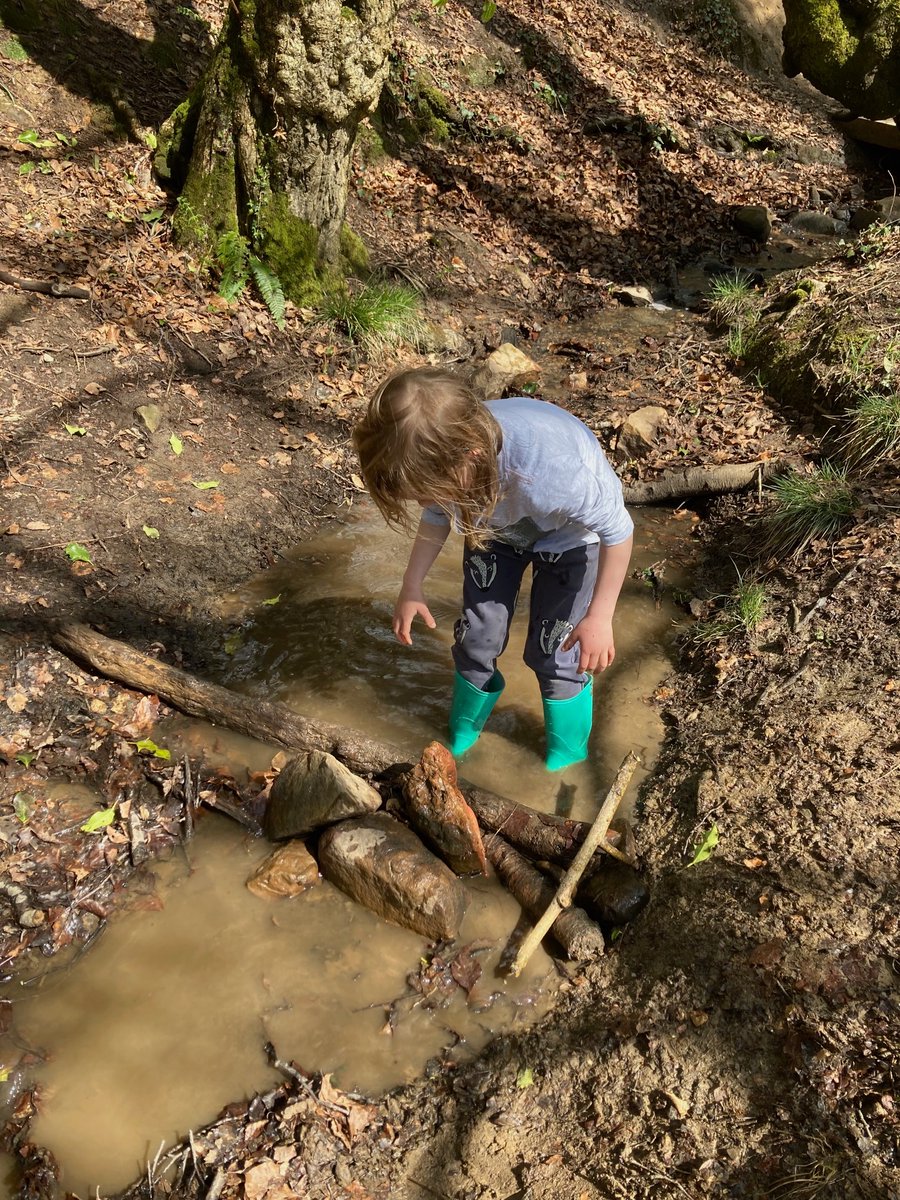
x=526, y=483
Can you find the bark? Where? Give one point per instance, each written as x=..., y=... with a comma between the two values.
x=701, y=481
x=268, y=134
x=573, y=928
x=542, y=836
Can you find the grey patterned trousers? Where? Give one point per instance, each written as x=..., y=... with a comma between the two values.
x=561, y=590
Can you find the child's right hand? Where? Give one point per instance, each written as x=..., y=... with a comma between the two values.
x=410, y=604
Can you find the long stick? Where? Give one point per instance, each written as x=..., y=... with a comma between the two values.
x=569, y=882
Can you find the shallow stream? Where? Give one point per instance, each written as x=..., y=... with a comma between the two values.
x=165, y=1020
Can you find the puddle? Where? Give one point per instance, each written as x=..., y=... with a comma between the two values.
x=326, y=649
x=135, y=1032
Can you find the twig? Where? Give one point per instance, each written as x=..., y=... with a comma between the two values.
x=46, y=287
x=569, y=882
x=825, y=597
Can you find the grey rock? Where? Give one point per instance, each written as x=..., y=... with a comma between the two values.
x=814, y=222
x=889, y=208
x=313, y=790
x=383, y=865
x=753, y=221
x=636, y=296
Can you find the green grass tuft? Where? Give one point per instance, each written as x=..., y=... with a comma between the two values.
x=740, y=613
x=807, y=506
x=732, y=298
x=873, y=432
x=378, y=316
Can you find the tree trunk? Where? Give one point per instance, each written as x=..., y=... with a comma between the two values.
x=262, y=148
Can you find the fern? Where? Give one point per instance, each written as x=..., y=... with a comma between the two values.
x=269, y=288
x=231, y=254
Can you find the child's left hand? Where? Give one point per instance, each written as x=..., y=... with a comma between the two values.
x=596, y=641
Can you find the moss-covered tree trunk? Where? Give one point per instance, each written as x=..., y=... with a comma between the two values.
x=850, y=49
x=262, y=148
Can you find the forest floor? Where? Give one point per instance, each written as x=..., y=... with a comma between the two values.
x=160, y=444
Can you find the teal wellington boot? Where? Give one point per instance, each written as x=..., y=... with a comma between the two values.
x=568, y=725
x=469, y=710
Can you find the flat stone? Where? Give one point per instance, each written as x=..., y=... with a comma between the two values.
x=314, y=790
x=815, y=222
x=640, y=431
x=636, y=296
x=288, y=871
x=505, y=370
x=614, y=893
x=383, y=865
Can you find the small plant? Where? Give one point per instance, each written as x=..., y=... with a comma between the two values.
x=732, y=298
x=377, y=316
x=740, y=613
x=806, y=506
x=270, y=289
x=873, y=433
x=738, y=340
x=232, y=253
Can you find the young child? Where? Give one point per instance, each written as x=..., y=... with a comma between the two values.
x=527, y=484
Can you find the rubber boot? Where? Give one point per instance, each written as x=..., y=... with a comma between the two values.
x=469, y=710
x=568, y=727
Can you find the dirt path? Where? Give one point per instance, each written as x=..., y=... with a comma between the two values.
x=742, y=1039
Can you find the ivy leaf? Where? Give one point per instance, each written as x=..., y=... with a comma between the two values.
x=22, y=807
x=176, y=444
x=206, y=485
x=151, y=533
x=152, y=748
x=77, y=553
x=99, y=820
x=706, y=847
x=27, y=168
x=525, y=1078
x=76, y=430
x=26, y=758
x=488, y=12
x=273, y=600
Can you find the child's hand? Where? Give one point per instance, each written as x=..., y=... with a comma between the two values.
x=596, y=640
x=410, y=604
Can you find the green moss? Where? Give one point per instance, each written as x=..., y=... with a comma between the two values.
x=369, y=145
x=347, y=14
x=173, y=144
x=291, y=248
x=207, y=206
x=354, y=252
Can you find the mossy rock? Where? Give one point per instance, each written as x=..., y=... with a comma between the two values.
x=479, y=70
x=849, y=52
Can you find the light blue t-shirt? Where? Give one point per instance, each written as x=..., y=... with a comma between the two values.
x=557, y=489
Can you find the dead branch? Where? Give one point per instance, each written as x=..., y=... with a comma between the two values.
x=701, y=481
x=563, y=897
x=579, y=936
x=45, y=287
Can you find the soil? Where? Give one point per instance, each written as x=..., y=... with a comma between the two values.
x=741, y=1037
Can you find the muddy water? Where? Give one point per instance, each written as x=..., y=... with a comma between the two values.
x=165, y=1020
x=327, y=649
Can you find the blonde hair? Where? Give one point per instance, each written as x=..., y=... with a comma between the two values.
x=427, y=435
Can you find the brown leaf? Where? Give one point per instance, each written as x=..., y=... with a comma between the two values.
x=767, y=954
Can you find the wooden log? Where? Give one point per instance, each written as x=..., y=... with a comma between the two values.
x=573, y=929
x=562, y=899
x=538, y=835
x=266, y=720
x=701, y=481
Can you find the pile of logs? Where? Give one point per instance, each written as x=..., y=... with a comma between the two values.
x=397, y=836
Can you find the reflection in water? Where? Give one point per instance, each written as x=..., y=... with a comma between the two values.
x=165, y=1021
x=326, y=648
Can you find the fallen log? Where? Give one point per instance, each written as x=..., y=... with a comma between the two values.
x=701, y=481
x=266, y=720
x=561, y=900
x=536, y=834
x=546, y=836
x=573, y=928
